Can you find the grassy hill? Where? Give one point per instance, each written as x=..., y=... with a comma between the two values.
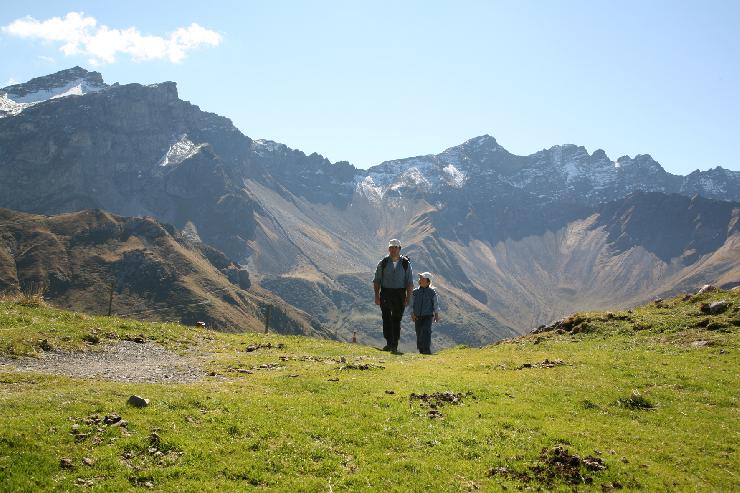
x=638, y=399
x=157, y=273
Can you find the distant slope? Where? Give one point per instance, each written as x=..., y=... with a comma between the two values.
x=617, y=254
x=157, y=274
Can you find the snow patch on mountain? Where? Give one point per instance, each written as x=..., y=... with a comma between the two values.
x=77, y=87
x=12, y=104
x=181, y=150
x=411, y=178
x=367, y=187
x=417, y=174
x=263, y=147
x=711, y=185
x=456, y=177
x=8, y=107
x=571, y=170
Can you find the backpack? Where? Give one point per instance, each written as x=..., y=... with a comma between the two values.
x=405, y=261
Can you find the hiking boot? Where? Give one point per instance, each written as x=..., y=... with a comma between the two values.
x=387, y=348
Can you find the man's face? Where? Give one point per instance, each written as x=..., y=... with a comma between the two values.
x=394, y=251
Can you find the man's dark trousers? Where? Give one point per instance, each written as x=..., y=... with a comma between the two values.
x=423, y=327
x=391, y=305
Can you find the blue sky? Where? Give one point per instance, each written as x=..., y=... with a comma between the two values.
x=371, y=81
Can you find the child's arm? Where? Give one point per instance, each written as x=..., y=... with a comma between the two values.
x=435, y=307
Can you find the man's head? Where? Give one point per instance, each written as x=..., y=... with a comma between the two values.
x=425, y=279
x=394, y=248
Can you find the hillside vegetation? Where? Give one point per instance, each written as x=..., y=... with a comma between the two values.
x=638, y=399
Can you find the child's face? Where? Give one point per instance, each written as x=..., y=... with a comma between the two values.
x=423, y=282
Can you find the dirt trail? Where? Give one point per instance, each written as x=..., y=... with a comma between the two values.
x=124, y=362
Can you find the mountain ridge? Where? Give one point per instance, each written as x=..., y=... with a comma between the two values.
x=486, y=142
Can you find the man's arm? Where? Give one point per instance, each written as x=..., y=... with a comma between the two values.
x=409, y=285
x=376, y=283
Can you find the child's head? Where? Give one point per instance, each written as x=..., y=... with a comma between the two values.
x=425, y=279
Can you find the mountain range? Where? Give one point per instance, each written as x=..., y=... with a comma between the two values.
x=514, y=241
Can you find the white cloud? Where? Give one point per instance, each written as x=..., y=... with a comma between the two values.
x=46, y=59
x=10, y=82
x=81, y=35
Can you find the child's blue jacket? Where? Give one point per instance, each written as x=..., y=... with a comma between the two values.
x=424, y=302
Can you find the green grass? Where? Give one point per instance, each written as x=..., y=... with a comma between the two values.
x=661, y=414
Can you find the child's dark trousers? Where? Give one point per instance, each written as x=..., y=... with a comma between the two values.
x=424, y=334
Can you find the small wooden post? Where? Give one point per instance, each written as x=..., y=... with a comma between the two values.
x=110, y=299
x=267, y=318
x=354, y=336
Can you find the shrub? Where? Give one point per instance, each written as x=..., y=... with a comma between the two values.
x=31, y=295
x=635, y=401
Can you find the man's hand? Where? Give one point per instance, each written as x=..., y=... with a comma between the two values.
x=377, y=299
x=406, y=301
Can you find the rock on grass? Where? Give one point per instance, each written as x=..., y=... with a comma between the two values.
x=137, y=401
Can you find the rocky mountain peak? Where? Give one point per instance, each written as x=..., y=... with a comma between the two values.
x=53, y=85
x=599, y=154
x=641, y=161
x=74, y=81
x=481, y=146
x=482, y=141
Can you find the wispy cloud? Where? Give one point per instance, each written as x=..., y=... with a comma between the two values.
x=79, y=34
x=46, y=59
x=10, y=82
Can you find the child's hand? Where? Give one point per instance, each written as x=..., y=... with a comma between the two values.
x=413, y=317
x=436, y=317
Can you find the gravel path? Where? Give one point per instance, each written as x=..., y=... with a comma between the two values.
x=124, y=362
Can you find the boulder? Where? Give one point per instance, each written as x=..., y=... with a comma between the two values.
x=707, y=288
x=138, y=401
x=111, y=419
x=718, y=307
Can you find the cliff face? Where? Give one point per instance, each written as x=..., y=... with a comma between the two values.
x=132, y=150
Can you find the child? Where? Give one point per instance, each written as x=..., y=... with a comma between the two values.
x=425, y=309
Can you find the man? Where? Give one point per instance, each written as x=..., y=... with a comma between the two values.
x=393, y=285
